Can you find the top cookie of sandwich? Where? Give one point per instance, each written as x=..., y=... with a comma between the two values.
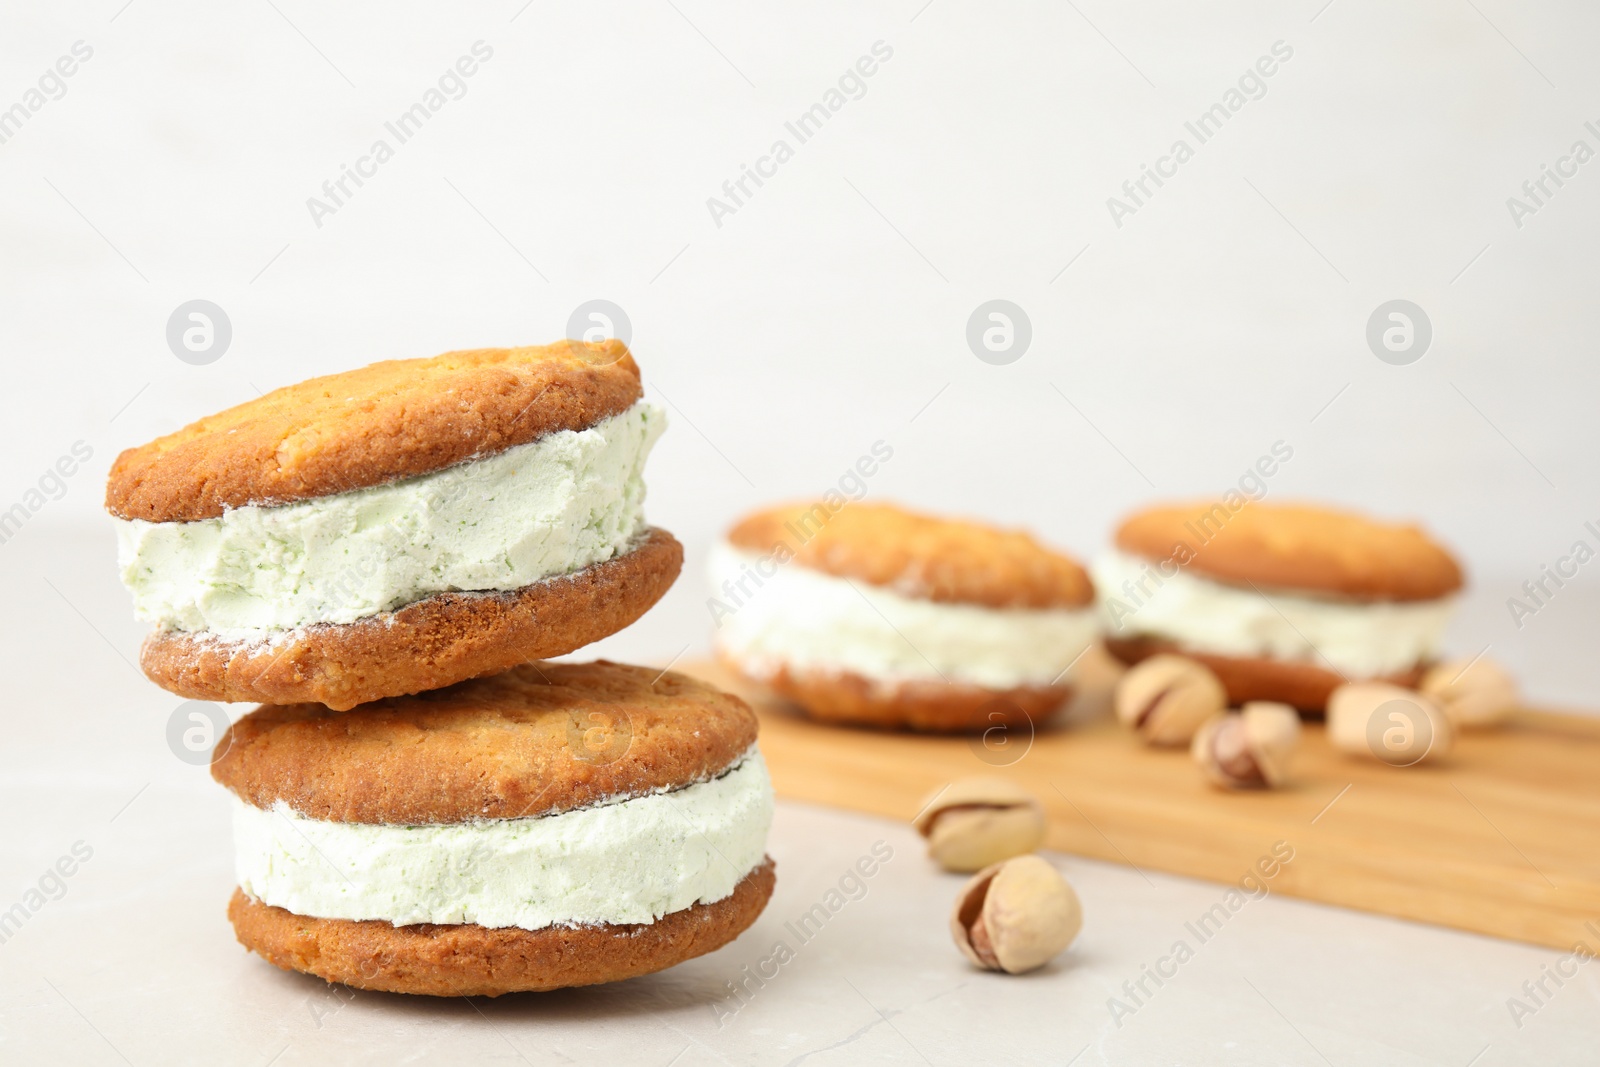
x=1295, y=547
x=365, y=427
x=943, y=560
x=539, y=739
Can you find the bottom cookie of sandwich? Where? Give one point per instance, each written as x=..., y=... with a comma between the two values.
x=852, y=699
x=1303, y=685
x=477, y=961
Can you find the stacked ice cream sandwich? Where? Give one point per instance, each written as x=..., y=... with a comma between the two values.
x=384, y=557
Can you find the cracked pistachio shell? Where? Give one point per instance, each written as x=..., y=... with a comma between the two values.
x=1475, y=693
x=1015, y=916
x=1250, y=748
x=1168, y=698
x=976, y=822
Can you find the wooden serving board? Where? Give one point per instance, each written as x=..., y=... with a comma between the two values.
x=1502, y=837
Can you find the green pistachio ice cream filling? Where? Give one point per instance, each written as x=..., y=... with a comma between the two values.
x=629, y=861
x=547, y=508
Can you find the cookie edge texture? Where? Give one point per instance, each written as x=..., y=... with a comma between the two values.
x=1298, y=548
x=371, y=426
x=432, y=643
x=468, y=960
x=916, y=555
x=848, y=698
x=458, y=755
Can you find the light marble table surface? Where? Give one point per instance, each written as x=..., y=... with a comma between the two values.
x=135, y=962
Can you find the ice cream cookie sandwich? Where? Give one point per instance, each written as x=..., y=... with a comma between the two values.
x=396, y=528
x=871, y=614
x=559, y=824
x=1282, y=602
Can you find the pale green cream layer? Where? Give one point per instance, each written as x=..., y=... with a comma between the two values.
x=801, y=619
x=1357, y=638
x=547, y=508
x=630, y=861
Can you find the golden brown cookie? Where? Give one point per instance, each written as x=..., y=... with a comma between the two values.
x=930, y=707
x=542, y=738
x=1294, y=547
x=433, y=642
x=370, y=426
x=1301, y=684
x=919, y=556
x=476, y=961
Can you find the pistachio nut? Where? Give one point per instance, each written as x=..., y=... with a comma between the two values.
x=1249, y=748
x=975, y=822
x=1398, y=726
x=1167, y=699
x=1471, y=693
x=1015, y=916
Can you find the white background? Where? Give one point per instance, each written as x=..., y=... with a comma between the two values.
x=831, y=308
x=829, y=312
